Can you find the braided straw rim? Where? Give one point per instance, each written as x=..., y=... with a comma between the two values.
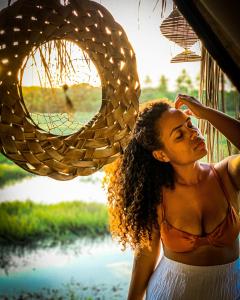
x=31, y=23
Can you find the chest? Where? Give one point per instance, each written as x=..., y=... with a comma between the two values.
x=197, y=210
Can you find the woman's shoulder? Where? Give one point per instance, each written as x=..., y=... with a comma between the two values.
x=229, y=170
x=223, y=168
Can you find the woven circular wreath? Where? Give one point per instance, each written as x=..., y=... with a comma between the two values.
x=30, y=23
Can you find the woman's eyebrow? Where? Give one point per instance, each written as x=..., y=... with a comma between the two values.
x=174, y=129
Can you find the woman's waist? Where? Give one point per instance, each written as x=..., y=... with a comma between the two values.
x=175, y=267
x=206, y=255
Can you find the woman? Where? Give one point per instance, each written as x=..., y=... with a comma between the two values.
x=161, y=192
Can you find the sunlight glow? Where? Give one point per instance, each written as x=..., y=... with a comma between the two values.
x=153, y=51
x=66, y=65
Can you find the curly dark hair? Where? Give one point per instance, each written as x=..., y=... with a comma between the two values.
x=136, y=180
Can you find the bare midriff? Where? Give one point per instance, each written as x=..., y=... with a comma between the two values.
x=206, y=255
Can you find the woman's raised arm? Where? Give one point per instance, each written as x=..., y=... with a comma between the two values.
x=228, y=126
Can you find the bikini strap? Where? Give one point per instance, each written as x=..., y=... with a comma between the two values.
x=221, y=183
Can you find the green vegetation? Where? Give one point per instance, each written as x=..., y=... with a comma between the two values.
x=5, y=160
x=163, y=84
x=184, y=83
x=151, y=93
x=26, y=223
x=83, y=97
x=156, y=93
x=10, y=172
x=86, y=99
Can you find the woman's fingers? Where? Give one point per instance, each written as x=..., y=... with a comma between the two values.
x=185, y=100
x=184, y=96
x=178, y=103
x=188, y=112
x=194, y=106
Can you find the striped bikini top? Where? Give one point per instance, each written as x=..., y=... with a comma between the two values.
x=223, y=235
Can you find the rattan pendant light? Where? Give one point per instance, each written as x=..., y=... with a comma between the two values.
x=177, y=30
x=30, y=23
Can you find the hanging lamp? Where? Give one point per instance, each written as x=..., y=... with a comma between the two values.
x=177, y=30
x=25, y=25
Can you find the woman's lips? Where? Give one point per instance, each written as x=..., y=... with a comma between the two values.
x=200, y=144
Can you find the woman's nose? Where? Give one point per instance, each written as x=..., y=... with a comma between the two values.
x=193, y=134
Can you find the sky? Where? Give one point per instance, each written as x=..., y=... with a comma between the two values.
x=153, y=51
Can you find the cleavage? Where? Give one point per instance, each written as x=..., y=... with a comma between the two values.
x=194, y=211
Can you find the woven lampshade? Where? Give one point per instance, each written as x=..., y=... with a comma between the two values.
x=30, y=23
x=185, y=56
x=176, y=29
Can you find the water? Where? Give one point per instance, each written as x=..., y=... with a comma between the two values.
x=97, y=268
x=43, y=189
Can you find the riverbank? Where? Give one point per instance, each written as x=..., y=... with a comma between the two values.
x=24, y=223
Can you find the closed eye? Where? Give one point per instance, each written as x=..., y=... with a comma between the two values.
x=179, y=137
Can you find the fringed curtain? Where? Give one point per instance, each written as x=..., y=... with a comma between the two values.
x=212, y=94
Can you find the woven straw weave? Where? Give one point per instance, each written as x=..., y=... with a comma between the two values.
x=31, y=23
x=177, y=30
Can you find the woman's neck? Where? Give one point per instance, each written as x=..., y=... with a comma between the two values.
x=190, y=174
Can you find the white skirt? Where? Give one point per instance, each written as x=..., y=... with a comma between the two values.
x=173, y=280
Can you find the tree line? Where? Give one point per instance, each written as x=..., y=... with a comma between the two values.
x=183, y=84
x=86, y=98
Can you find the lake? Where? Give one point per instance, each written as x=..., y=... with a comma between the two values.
x=97, y=269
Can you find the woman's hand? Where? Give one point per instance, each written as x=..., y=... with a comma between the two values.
x=195, y=108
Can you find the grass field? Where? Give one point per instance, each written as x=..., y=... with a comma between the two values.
x=24, y=223
x=61, y=123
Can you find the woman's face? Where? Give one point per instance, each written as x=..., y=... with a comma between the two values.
x=183, y=142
